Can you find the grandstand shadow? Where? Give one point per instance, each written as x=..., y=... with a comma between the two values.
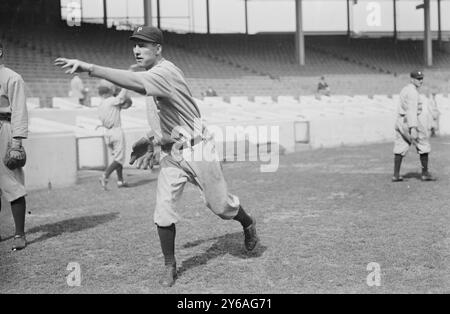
x=230, y=243
x=70, y=226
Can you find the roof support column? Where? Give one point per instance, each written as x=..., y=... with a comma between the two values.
x=299, y=36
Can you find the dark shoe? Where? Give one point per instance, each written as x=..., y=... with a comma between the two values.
x=397, y=179
x=169, y=275
x=251, y=238
x=19, y=243
x=427, y=177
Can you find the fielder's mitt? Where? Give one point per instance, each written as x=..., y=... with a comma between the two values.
x=15, y=157
x=143, y=154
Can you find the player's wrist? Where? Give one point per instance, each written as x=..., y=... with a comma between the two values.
x=16, y=142
x=90, y=68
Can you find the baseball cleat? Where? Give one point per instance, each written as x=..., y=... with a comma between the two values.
x=427, y=177
x=397, y=179
x=169, y=275
x=251, y=238
x=122, y=184
x=103, y=182
x=19, y=242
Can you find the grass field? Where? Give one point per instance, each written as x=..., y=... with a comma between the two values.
x=322, y=218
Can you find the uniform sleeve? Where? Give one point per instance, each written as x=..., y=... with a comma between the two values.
x=412, y=100
x=156, y=83
x=19, y=112
x=122, y=98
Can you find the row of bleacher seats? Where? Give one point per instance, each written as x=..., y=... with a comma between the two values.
x=234, y=64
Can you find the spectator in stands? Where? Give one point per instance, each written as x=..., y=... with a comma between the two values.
x=323, y=88
x=109, y=114
x=77, y=90
x=210, y=92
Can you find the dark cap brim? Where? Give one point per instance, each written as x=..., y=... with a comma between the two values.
x=137, y=37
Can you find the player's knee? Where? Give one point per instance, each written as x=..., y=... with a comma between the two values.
x=223, y=210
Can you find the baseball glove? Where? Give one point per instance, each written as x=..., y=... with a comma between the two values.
x=15, y=157
x=143, y=153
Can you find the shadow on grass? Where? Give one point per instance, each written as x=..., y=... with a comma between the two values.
x=412, y=175
x=133, y=184
x=6, y=239
x=231, y=243
x=70, y=226
x=418, y=176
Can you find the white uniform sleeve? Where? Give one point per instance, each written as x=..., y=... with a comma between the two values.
x=412, y=100
x=121, y=98
x=19, y=112
x=155, y=83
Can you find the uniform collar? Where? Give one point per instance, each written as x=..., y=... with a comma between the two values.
x=414, y=86
x=159, y=62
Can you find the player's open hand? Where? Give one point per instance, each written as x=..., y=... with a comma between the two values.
x=73, y=65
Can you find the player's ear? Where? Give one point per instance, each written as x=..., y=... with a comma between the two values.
x=158, y=49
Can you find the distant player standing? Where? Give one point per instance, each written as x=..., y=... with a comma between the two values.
x=109, y=114
x=178, y=114
x=409, y=130
x=434, y=113
x=13, y=129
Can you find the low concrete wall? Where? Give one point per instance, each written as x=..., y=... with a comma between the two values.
x=63, y=140
x=51, y=160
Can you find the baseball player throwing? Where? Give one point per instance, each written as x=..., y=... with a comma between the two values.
x=179, y=141
x=13, y=128
x=409, y=130
x=109, y=114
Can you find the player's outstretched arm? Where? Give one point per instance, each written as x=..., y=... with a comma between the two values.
x=123, y=78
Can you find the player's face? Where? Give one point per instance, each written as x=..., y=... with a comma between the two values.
x=418, y=82
x=146, y=53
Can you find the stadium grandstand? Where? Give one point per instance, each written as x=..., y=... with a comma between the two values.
x=235, y=64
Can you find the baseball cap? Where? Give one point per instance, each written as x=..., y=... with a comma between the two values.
x=148, y=33
x=416, y=74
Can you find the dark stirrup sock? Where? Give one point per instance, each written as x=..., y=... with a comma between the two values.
x=119, y=171
x=113, y=166
x=18, y=209
x=243, y=218
x=167, y=238
x=424, y=162
x=397, y=164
